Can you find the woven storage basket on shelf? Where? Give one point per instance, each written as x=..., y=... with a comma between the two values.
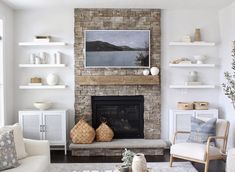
x=184, y=106
x=104, y=133
x=201, y=105
x=82, y=133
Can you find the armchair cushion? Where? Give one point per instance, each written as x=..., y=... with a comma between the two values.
x=222, y=127
x=193, y=150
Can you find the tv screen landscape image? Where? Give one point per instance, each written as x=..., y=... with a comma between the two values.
x=117, y=48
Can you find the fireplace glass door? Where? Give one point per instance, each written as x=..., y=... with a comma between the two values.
x=124, y=114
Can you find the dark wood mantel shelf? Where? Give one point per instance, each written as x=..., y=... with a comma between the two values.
x=118, y=80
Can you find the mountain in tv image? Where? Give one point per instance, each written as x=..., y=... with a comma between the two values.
x=105, y=46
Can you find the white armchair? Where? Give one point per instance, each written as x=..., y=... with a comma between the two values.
x=202, y=153
x=38, y=158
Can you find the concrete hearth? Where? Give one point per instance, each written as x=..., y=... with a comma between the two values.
x=116, y=147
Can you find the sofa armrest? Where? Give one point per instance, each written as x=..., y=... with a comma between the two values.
x=230, y=165
x=37, y=147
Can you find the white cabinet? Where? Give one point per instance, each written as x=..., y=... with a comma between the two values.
x=45, y=125
x=31, y=124
x=180, y=120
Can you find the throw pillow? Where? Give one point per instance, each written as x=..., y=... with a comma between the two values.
x=18, y=139
x=8, y=157
x=201, y=130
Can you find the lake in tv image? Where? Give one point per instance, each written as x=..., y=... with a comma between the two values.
x=117, y=48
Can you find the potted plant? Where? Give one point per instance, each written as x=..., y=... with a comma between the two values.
x=127, y=158
x=229, y=85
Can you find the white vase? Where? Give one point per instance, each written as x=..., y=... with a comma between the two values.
x=32, y=58
x=43, y=57
x=139, y=163
x=58, y=58
x=146, y=72
x=192, y=77
x=154, y=71
x=52, y=79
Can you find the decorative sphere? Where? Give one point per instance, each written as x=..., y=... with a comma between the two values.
x=52, y=79
x=146, y=72
x=154, y=71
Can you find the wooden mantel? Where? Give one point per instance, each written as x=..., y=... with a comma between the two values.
x=118, y=80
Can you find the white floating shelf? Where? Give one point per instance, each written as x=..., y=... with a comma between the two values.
x=41, y=43
x=192, y=43
x=192, y=86
x=43, y=87
x=192, y=65
x=41, y=65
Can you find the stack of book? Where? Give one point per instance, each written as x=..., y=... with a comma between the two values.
x=35, y=81
x=42, y=38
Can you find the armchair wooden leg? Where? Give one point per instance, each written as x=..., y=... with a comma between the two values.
x=171, y=160
x=206, y=166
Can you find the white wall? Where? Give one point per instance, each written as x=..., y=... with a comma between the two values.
x=1, y=76
x=227, y=32
x=175, y=24
x=6, y=14
x=59, y=24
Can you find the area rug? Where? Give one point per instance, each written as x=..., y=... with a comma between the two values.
x=110, y=167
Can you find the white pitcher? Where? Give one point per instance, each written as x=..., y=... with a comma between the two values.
x=139, y=163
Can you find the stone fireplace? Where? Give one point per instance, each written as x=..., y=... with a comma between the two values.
x=93, y=82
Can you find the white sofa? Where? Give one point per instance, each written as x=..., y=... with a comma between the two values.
x=38, y=159
x=230, y=164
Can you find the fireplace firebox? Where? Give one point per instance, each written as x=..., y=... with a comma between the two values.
x=124, y=114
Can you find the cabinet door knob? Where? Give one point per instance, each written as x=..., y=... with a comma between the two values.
x=45, y=128
x=41, y=128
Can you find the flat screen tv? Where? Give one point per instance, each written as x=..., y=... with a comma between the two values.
x=117, y=48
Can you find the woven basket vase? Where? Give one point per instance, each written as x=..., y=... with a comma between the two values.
x=104, y=133
x=82, y=133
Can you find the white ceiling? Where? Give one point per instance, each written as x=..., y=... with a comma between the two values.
x=163, y=4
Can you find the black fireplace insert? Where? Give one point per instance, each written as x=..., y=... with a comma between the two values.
x=124, y=114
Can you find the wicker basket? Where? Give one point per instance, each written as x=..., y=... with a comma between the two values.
x=104, y=133
x=82, y=133
x=201, y=105
x=184, y=106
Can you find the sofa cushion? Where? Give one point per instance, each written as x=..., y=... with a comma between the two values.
x=201, y=130
x=32, y=164
x=18, y=138
x=8, y=157
x=194, y=150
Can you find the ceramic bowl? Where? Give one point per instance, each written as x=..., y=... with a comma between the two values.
x=42, y=105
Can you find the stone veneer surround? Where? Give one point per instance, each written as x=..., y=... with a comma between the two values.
x=118, y=19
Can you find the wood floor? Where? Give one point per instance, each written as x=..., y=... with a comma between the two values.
x=59, y=157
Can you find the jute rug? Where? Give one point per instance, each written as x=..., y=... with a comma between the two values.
x=110, y=167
